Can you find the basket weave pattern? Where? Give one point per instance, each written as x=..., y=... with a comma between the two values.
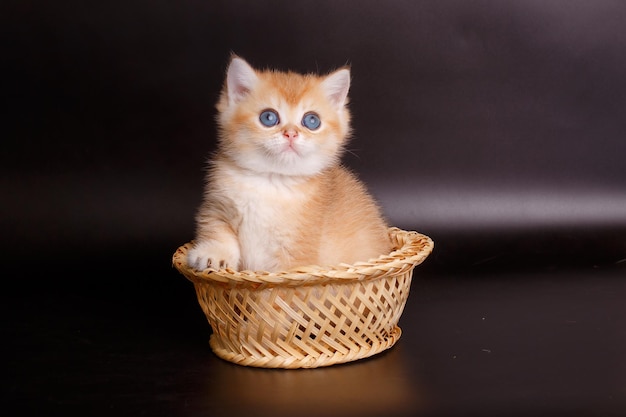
x=308, y=317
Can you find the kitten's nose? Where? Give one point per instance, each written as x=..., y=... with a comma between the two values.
x=290, y=134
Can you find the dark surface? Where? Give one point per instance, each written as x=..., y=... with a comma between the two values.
x=496, y=128
x=545, y=342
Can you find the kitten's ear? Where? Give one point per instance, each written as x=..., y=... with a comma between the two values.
x=336, y=86
x=240, y=79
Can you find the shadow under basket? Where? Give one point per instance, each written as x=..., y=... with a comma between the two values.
x=308, y=317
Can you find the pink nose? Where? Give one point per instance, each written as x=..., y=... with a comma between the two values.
x=290, y=134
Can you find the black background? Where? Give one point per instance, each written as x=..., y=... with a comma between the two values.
x=495, y=127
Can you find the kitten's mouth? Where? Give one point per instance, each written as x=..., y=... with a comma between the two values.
x=289, y=149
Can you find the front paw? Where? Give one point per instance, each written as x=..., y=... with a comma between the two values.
x=214, y=255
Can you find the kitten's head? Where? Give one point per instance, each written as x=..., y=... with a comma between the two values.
x=283, y=123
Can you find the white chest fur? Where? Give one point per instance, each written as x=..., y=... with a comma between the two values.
x=266, y=212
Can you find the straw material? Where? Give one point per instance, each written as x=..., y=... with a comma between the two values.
x=308, y=317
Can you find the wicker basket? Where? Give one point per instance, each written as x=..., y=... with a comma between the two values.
x=308, y=317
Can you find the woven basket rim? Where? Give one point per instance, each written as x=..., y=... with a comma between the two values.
x=412, y=250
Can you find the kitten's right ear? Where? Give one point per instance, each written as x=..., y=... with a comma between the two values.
x=240, y=79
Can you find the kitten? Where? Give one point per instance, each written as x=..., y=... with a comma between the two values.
x=276, y=195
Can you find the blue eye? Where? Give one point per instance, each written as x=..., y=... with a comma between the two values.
x=269, y=118
x=311, y=121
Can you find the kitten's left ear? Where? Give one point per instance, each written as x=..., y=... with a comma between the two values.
x=240, y=79
x=336, y=86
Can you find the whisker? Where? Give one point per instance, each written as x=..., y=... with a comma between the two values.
x=353, y=153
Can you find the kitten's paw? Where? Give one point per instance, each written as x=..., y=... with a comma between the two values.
x=213, y=254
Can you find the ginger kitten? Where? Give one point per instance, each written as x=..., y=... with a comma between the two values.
x=276, y=196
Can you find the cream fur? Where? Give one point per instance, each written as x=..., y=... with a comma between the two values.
x=273, y=203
